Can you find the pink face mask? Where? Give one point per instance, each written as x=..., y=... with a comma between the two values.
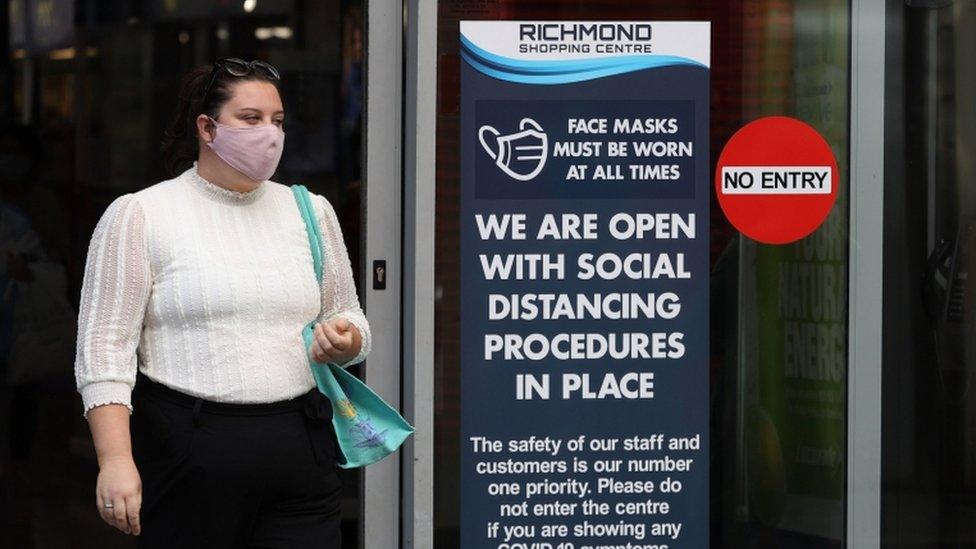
x=254, y=151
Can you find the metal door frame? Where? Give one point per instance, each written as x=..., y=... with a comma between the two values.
x=398, y=201
x=381, y=229
x=866, y=267
x=419, y=181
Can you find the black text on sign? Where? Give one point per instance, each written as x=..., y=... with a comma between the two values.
x=776, y=180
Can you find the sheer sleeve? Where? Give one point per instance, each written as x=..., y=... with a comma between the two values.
x=339, y=297
x=114, y=295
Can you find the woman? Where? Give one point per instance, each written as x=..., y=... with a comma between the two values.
x=194, y=296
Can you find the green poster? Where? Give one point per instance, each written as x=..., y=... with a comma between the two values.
x=793, y=302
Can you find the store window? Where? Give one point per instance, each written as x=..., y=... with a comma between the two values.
x=778, y=329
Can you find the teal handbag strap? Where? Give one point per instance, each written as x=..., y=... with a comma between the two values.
x=311, y=227
x=366, y=428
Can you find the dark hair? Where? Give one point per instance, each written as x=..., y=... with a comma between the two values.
x=180, y=144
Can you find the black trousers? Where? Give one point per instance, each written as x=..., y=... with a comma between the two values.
x=219, y=475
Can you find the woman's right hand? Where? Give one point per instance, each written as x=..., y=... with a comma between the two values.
x=120, y=487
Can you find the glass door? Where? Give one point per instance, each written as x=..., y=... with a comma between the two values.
x=93, y=86
x=778, y=364
x=929, y=445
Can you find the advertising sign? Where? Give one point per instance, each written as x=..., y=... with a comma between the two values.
x=584, y=280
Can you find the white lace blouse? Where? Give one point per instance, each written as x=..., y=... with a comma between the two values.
x=206, y=290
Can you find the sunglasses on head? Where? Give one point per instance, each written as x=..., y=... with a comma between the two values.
x=238, y=67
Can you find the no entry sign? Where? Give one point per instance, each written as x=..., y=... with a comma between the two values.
x=776, y=180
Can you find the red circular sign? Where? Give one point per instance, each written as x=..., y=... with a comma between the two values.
x=776, y=180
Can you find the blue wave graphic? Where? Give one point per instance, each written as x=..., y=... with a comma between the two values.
x=562, y=71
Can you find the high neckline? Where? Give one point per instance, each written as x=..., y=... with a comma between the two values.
x=223, y=194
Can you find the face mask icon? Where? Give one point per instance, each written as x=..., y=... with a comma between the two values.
x=521, y=155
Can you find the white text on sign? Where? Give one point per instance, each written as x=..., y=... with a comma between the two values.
x=776, y=180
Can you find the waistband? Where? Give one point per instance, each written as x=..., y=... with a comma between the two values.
x=313, y=403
